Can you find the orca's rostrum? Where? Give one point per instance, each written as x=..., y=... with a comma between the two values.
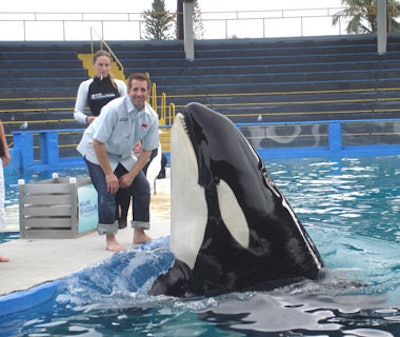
x=231, y=227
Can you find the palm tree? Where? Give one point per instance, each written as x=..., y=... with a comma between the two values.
x=363, y=16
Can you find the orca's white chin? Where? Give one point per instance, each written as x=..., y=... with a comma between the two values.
x=188, y=205
x=189, y=211
x=231, y=227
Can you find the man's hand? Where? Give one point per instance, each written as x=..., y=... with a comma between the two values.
x=102, y=157
x=112, y=183
x=126, y=180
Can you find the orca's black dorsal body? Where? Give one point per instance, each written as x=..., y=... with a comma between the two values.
x=231, y=227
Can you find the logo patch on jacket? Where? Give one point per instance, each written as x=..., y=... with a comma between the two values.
x=144, y=125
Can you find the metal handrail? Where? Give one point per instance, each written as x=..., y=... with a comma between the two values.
x=171, y=113
x=115, y=58
x=154, y=104
x=164, y=100
x=222, y=18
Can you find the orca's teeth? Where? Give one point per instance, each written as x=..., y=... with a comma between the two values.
x=184, y=124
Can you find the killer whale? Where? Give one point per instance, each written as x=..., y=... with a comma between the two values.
x=231, y=227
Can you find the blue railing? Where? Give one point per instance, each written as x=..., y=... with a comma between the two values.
x=23, y=152
x=337, y=138
x=343, y=138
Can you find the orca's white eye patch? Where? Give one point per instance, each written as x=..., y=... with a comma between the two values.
x=232, y=214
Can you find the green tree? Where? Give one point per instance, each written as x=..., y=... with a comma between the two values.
x=159, y=22
x=198, y=27
x=363, y=16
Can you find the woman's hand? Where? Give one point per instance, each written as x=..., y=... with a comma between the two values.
x=90, y=119
x=6, y=159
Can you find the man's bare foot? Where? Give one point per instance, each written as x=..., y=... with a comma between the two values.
x=4, y=259
x=139, y=236
x=112, y=243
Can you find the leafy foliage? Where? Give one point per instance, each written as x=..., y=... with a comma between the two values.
x=363, y=16
x=159, y=22
x=198, y=28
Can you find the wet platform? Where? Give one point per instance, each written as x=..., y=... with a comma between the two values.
x=37, y=261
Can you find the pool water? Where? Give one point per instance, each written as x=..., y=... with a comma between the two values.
x=11, y=182
x=350, y=208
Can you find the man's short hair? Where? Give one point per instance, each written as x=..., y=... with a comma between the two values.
x=140, y=77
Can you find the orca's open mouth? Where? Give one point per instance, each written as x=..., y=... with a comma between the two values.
x=183, y=121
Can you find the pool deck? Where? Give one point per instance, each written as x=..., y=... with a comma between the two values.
x=37, y=261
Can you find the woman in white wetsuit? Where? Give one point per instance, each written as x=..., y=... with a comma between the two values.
x=94, y=93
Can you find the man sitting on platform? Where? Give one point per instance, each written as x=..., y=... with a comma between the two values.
x=107, y=146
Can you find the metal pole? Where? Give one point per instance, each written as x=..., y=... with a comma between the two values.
x=381, y=26
x=188, y=40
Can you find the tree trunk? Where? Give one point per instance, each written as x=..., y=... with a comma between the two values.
x=179, y=20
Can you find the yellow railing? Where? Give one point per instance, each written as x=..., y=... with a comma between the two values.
x=167, y=110
x=172, y=113
x=87, y=62
x=154, y=97
x=102, y=42
x=165, y=116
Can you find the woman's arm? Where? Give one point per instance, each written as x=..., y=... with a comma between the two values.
x=6, y=158
x=81, y=103
x=122, y=90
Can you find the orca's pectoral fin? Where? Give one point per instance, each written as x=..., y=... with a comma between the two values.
x=173, y=283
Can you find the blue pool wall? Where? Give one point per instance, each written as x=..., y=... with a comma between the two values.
x=50, y=157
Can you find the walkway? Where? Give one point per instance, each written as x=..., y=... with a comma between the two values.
x=37, y=261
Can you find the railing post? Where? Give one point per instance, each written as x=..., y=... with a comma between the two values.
x=23, y=142
x=49, y=157
x=335, y=136
x=48, y=149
